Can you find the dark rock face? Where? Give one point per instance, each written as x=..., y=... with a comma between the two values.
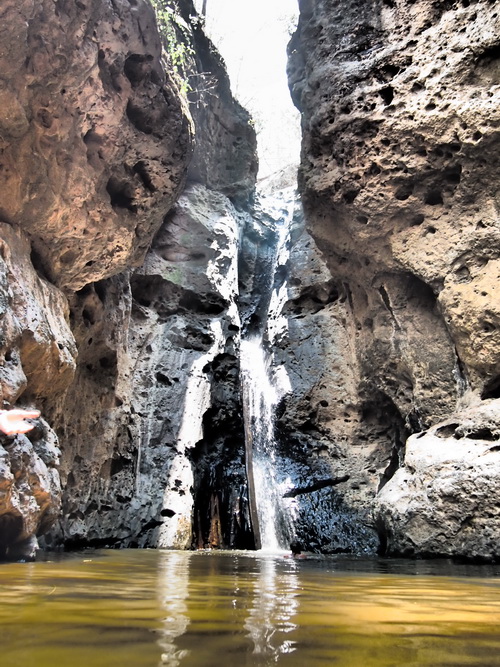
x=336, y=455
x=221, y=517
x=156, y=349
x=398, y=177
x=318, y=414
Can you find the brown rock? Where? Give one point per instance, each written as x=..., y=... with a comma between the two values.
x=94, y=140
x=36, y=343
x=399, y=180
x=400, y=119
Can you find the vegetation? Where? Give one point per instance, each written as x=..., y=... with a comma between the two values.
x=176, y=40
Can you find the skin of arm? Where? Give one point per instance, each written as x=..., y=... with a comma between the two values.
x=13, y=421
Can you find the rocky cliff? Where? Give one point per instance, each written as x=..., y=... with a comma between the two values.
x=131, y=261
x=97, y=140
x=400, y=106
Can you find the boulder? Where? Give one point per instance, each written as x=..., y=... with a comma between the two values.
x=444, y=500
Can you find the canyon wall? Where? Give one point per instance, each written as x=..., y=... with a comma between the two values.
x=132, y=249
x=399, y=180
x=118, y=294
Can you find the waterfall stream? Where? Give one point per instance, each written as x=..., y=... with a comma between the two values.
x=271, y=513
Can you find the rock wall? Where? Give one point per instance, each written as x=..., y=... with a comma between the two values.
x=96, y=141
x=150, y=343
x=38, y=360
x=162, y=450
x=121, y=312
x=225, y=151
x=399, y=179
x=318, y=458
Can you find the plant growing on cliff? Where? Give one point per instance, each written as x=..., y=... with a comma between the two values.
x=176, y=41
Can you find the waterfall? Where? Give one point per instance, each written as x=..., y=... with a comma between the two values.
x=271, y=516
x=271, y=513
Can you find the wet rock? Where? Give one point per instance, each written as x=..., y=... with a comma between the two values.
x=150, y=344
x=221, y=516
x=319, y=415
x=398, y=193
x=321, y=426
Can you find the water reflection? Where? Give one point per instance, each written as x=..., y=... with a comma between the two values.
x=173, y=589
x=272, y=610
x=177, y=609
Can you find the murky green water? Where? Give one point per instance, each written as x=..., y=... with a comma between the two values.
x=141, y=608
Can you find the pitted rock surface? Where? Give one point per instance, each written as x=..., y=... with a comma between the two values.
x=38, y=360
x=399, y=172
x=94, y=139
x=95, y=142
x=400, y=103
x=30, y=490
x=390, y=325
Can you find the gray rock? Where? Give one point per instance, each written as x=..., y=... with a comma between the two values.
x=398, y=184
x=444, y=500
x=149, y=343
x=30, y=490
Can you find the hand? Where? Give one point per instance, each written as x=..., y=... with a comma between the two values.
x=12, y=421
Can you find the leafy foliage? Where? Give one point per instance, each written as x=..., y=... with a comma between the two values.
x=176, y=38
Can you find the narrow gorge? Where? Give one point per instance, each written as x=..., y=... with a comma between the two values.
x=202, y=346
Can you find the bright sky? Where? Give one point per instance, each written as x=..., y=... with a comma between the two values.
x=252, y=36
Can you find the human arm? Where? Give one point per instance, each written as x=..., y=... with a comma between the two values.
x=13, y=421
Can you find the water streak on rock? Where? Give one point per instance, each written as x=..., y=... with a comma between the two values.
x=270, y=511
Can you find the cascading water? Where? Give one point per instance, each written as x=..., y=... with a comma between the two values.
x=272, y=514
x=273, y=526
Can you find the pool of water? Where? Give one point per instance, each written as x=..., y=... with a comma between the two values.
x=141, y=608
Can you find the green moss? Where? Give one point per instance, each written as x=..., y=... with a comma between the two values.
x=174, y=275
x=176, y=42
